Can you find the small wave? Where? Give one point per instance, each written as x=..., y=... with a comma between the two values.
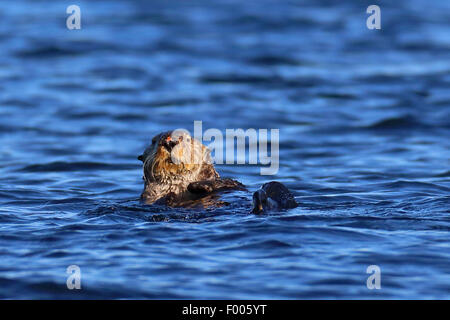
x=45, y=52
x=415, y=185
x=337, y=95
x=18, y=102
x=163, y=102
x=70, y=48
x=115, y=72
x=118, y=90
x=402, y=122
x=444, y=174
x=240, y=78
x=62, y=166
x=73, y=114
x=271, y=60
x=65, y=86
x=265, y=244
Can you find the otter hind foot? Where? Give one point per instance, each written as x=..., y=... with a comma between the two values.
x=273, y=196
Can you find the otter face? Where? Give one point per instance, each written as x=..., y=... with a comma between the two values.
x=172, y=157
x=259, y=201
x=262, y=202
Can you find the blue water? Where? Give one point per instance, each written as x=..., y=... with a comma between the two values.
x=364, y=119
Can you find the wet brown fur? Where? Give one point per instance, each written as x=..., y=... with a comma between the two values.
x=184, y=182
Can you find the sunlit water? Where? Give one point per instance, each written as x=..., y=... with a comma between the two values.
x=364, y=129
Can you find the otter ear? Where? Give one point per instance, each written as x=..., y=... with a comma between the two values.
x=141, y=158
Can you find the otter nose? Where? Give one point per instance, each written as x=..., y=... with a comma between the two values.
x=169, y=144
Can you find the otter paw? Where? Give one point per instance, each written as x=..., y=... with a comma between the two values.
x=201, y=187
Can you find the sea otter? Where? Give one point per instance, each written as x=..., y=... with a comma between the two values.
x=178, y=171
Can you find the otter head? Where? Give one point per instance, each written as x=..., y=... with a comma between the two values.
x=174, y=157
x=259, y=201
x=262, y=202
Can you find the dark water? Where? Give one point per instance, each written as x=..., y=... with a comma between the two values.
x=364, y=129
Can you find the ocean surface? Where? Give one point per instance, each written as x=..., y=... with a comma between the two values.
x=364, y=120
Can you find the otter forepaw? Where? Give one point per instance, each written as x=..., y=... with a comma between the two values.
x=208, y=186
x=201, y=187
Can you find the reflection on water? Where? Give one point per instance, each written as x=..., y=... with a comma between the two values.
x=364, y=127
